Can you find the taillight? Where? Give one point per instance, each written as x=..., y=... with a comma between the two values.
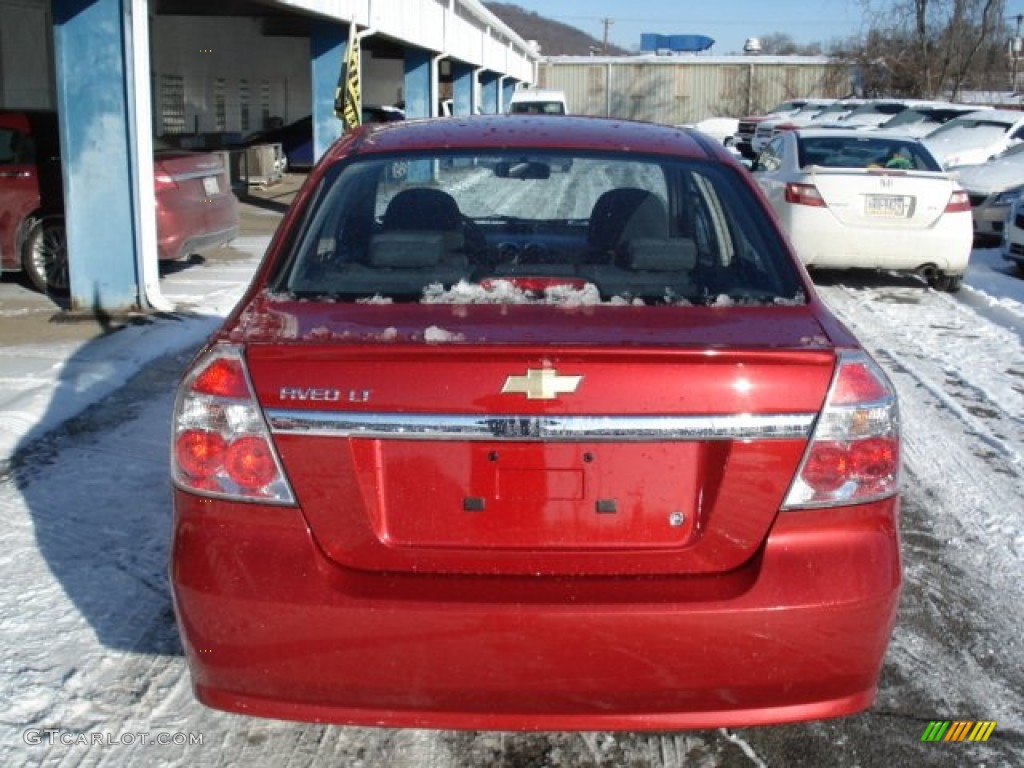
x=958, y=202
x=221, y=444
x=853, y=455
x=162, y=181
x=804, y=194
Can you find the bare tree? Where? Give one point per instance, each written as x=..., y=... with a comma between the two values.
x=928, y=48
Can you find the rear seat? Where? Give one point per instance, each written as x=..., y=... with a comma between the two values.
x=654, y=267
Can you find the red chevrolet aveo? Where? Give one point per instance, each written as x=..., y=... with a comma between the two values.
x=492, y=446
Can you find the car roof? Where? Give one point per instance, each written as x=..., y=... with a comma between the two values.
x=1008, y=116
x=531, y=132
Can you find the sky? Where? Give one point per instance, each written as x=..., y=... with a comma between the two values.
x=729, y=24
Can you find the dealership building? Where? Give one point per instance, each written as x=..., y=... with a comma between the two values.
x=121, y=72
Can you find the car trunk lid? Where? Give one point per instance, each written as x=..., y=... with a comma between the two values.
x=880, y=198
x=580, y=453
x=200, y=175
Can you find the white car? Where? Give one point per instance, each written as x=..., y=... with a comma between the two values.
x=920, y=121
x=870, y=114
x=769, y=127
x=721, y=129
x=976, y=137
x=1013, y=234
x=859, y=199
x=992, y=187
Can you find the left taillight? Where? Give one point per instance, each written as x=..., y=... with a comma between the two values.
x=853, y=455
x=804, y=194
x=221, y=443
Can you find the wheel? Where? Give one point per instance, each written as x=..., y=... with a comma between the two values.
x=45, y=256
x=946, y=283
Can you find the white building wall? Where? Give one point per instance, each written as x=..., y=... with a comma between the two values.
x=201, y=50
x=26, y=55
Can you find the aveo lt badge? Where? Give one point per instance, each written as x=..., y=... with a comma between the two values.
x=541, y=384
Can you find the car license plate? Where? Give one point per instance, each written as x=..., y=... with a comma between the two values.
x=892, y=206
x=211, y=186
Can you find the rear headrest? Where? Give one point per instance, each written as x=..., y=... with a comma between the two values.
x=407, y=250
x=620, y=214
x=649, y=254
x=422, y=208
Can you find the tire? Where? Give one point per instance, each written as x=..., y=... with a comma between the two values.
x=44, y=256
x=946, y=283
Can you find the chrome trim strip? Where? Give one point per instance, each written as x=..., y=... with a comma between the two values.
x=446, y=426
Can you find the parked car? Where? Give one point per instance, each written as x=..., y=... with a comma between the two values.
x=976, y=137
x=870, y=114
x=1013, y=234
x=487, y=446
x=747, y=126
x=767, y=128
x=992, y=187
x=195, y=207
x=828, y=114
x=922, y=120
x=296, y=138
x=721, y=129
x=538, y=101
x=858, y=199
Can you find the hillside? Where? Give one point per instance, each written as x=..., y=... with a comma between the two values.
x=555, y=38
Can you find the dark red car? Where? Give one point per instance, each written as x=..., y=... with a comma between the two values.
x=195, y=208
x=491, y=447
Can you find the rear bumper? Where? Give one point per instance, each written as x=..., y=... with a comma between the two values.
x=821, y=241
x=185, y=228
x=272, y=628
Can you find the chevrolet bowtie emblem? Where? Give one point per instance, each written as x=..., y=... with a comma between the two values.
x=541, y=384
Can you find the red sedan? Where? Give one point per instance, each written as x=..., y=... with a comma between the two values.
x=490, y=446
x=195, y=208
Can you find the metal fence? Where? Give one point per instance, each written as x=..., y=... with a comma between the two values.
x=686, y=89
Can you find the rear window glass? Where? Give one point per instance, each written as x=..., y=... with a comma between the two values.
x=864, y=152
x=536, y=108
x=514, y=227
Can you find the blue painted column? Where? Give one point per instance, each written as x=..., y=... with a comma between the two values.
x=489, y=103
x=90, y=47
x=328, y=42
x=416, y=85
x=463, y=91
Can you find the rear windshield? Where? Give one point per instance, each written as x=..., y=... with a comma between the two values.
x=509, y=227
x=865, y=152
x=536, y=108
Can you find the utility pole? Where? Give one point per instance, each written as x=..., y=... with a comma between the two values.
x=1015, y=50
x=607, y=23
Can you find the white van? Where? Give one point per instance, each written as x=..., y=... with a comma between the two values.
x=537, y=101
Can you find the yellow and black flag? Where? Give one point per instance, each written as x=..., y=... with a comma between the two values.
x=347, y=98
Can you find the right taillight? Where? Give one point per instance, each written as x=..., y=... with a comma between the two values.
x=958, y=202
x=853, y=455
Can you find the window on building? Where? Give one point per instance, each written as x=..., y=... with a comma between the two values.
x=172, y=104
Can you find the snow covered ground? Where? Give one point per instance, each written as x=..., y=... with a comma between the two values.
x=91, y=670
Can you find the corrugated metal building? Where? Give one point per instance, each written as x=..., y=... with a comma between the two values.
x=686, y=89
